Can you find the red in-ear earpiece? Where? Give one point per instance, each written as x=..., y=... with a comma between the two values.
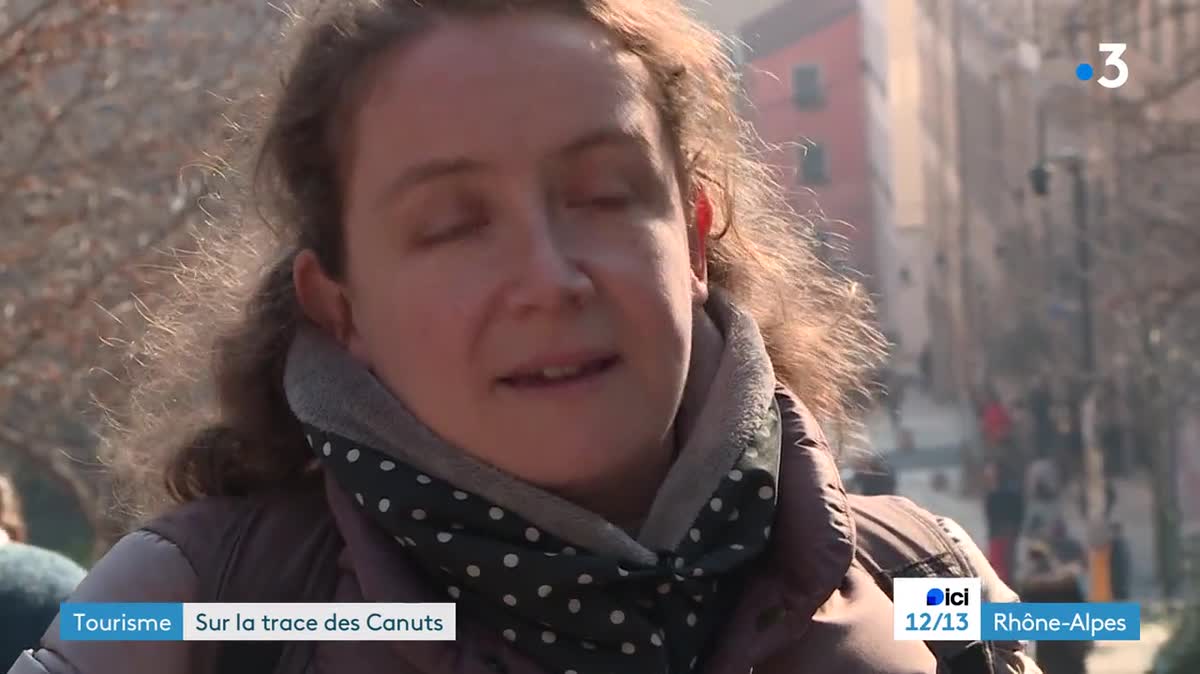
x=704, y=214
x=704, y=218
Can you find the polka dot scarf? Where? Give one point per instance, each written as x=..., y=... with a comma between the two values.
x=568, y=608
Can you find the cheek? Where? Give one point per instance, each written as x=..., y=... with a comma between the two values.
x=415, y=326
x=651, y=285
x=663, y=269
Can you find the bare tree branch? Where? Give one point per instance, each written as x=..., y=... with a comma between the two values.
x=104, y=102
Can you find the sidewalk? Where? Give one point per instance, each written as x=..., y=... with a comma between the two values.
x=1109, y=657
x=934, y=425
x=1128, y=657
x=1134, y=509
x=939, y=430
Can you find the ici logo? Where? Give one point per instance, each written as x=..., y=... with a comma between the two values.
x=937, y=597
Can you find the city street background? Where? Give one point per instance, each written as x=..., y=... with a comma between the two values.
x=939, y=431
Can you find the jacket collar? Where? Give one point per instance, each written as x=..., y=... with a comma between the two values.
x=813, y=544
x=812, y=548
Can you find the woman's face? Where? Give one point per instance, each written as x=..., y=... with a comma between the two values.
x=520, y=271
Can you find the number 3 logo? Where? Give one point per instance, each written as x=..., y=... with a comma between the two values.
x=1114, y=50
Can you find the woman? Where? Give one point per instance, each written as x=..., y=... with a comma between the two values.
x=33, y=581
x=537, y=330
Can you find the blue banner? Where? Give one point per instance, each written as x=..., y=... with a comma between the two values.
x=121, y=622
x=1062, y=622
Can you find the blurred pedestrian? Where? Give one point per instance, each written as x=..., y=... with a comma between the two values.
x=33, y=581
x=1043, y=492
x=1111, y=434
x=894, y=384
x=1004, y=512
x=12, y=514
x=996, y=422
x=926, y=364
x=1052, y=582
x=876, y=477
x=1041, y=410
x=1067, y=550
x=1121, y=564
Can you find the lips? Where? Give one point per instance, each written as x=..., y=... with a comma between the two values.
x=570, y=371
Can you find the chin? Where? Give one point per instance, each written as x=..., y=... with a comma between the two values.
x=559, y=463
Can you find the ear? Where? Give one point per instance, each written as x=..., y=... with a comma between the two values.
x=702, y=217
x=324, y=300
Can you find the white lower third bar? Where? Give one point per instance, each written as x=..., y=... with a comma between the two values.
x=319, y=622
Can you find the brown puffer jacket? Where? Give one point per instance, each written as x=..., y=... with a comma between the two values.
x=816, y=607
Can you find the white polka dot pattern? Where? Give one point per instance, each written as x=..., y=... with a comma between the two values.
x=550, y=598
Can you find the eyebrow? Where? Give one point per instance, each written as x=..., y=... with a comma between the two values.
x=425, y=172
x=614, y=136
x=441, y=168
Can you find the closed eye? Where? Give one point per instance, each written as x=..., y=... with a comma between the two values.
x=445, y=234
x=611, y=201
x=604, y=202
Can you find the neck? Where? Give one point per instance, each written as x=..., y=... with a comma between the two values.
x=624, y=496
x=4, y=537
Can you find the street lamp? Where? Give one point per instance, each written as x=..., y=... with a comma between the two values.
x=1040, y=177
x=1084, y=411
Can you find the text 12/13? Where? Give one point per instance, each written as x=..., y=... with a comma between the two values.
x=937, y=622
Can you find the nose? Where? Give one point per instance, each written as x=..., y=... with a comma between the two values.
x=547, y=271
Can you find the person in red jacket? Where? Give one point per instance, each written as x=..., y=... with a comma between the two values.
x=1004, y=513
x=997, y=423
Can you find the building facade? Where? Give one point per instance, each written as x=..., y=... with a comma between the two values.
x=803, y=75
x=728, y=16
x=893, y=94
x=940, y=158
x=984, y=85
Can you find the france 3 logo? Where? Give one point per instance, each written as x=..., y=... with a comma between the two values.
x=936, y=609
x=1115, y=51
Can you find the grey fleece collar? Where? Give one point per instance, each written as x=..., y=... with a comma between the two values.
x=327, y=388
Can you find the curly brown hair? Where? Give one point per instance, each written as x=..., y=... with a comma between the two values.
x=208, y=413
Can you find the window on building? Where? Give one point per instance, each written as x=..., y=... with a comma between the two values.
x=1180, y=15
x=1133, y=25
x=808, y=91
x=1099, y=194
x=814, y=164
x=1156, y=31
x=1075, y=32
